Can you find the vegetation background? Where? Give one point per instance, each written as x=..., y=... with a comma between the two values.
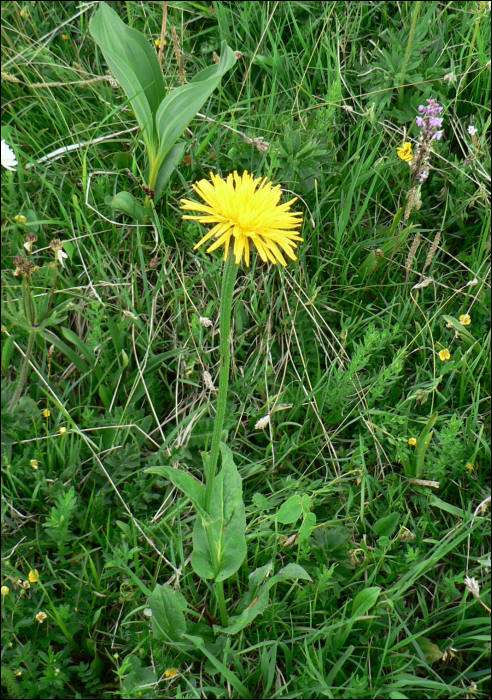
x=340, y=350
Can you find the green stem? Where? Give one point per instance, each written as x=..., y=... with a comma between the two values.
x=219, y=590
x=228, y=280
x=409, y=46
x=23, y=375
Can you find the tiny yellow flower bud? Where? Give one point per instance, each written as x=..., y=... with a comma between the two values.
x=5, y=590
x=465, y=319
x=412, y=442
x=65, y=37
x=41, y=617
x=33, y=576
x=170, y=673
x=18, y=674
x=470, y=467
x=63, y=430
x=34, y=464
x=444, y=355
x=20, y=219
x=46, y=413
x=26, y=585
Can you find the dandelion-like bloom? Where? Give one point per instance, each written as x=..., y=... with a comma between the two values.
x=9, y=160
x=412, y=442
x=246, y=209
x=33, y=576
x=444, y=355
x=41, y=617
x=465, y=319
x=405, y=152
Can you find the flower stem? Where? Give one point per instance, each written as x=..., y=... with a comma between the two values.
x=23, y=374
x=228, y=280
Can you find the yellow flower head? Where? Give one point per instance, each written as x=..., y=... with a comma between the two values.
x=405, y=152
x=412, y=442
x=246, y=209
x=26, y=585
x=5, y=591
x=34, y=464
x=170, y=673
x=20, y=219
x=470, y=467
x=46, y=413
x=157, y=43
x=63, y=430
x=41, y=617
x=65, y=37
x=444, y=355
x=33, y=576
x=465, y=319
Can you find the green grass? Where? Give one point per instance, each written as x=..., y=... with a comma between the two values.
x=338, y=348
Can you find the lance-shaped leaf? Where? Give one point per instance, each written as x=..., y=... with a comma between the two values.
x=186, y=483
x=181, y=105
x=224, y=533
x=133, y=63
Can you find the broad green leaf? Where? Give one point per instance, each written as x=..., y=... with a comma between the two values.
x=308, y=525
x=127, y=204
x=291, y=572
x=257, y=576
x=387, y=525
x=122, y=160
x=167, y=168
x=227, y=527
x=133, y=63
x=365, y=600
x=180, y=106
x=430, y=650
x=290, y=511
x=185, y=482
x=257, y=607
x=168, y=608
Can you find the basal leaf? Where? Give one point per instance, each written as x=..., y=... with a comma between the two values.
x=290, y=511
x=168, y=608
x=180, y=106
x=133, y=63
x=185, y=482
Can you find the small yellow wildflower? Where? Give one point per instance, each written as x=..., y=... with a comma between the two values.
x=63, y=430
x=412, y=442
x=470, y=467
x=34, y=464
x=246, y=210
x=18, y=674
x=465, y=319
x=170, y=673
x=444, y=355
x=33, y=576
x=20, y=219
x=65, y=37
x=41, y=617
x=46, y=413
x=157, y=43
x=5, y=591
x=26, y=585
x=405, y=152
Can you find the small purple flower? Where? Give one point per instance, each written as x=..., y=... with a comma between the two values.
x=423, y=176
x=421, y=109
x=436, y=122
x=438, y=135
x=419, y=121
